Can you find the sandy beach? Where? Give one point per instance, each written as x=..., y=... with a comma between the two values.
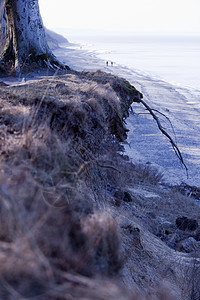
x=145, y=143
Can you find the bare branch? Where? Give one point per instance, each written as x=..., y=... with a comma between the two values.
x=175, y=147
x=168, y=119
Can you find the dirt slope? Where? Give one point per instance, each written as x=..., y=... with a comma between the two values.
x=77, y=219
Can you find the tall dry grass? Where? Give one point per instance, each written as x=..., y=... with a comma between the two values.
x=61, y=166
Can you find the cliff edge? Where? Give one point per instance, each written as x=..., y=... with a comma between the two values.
x=78, y=220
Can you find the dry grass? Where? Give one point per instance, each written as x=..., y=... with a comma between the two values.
x=62, y=188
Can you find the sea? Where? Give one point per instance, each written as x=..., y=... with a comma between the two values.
x=175, y=59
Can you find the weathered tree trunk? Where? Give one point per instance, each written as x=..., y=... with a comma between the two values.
x=2, y=25
x=25, y=36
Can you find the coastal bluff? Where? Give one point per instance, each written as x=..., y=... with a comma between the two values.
x=78, y=219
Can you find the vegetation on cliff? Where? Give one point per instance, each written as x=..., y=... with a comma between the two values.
x=77, y=219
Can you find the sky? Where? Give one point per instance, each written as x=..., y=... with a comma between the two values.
x=142, y=16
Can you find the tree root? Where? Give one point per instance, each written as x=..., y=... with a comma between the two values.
x=51, y=62
x=175, y=147
x=13, y=66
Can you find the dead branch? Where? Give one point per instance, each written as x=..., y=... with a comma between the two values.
x=168, y=119
x=175, y=147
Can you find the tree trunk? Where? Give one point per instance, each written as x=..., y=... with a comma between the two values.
x=25, y=38
x=2, y=25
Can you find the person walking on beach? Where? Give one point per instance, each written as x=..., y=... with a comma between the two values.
x=107, y=63
x=111, y=63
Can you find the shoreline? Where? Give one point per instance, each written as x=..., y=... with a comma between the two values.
x=163, y=58
x=145, y=143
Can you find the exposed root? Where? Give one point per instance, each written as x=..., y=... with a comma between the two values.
x=51, y=62
x=175, y=147
x=15, y=65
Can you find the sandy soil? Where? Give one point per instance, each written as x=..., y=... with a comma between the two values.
x=145, y=142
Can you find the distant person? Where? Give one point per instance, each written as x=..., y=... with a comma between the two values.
x=111, y=63
x=107, y=63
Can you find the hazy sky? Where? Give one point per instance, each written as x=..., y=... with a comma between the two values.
x=170, y=16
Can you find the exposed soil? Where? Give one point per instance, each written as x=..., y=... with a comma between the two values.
x=78, y=220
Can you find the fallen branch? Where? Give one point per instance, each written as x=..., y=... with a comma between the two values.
x=175, y=147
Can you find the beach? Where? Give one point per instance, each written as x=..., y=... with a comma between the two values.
x=145, y=143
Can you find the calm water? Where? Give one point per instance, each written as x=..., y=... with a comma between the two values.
x=174, y=59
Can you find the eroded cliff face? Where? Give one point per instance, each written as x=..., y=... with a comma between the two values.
x=90, y=106
x=59, y=140
x=76, y=214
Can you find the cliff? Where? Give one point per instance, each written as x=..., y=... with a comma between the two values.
x=54, y=39
x=78, y=220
